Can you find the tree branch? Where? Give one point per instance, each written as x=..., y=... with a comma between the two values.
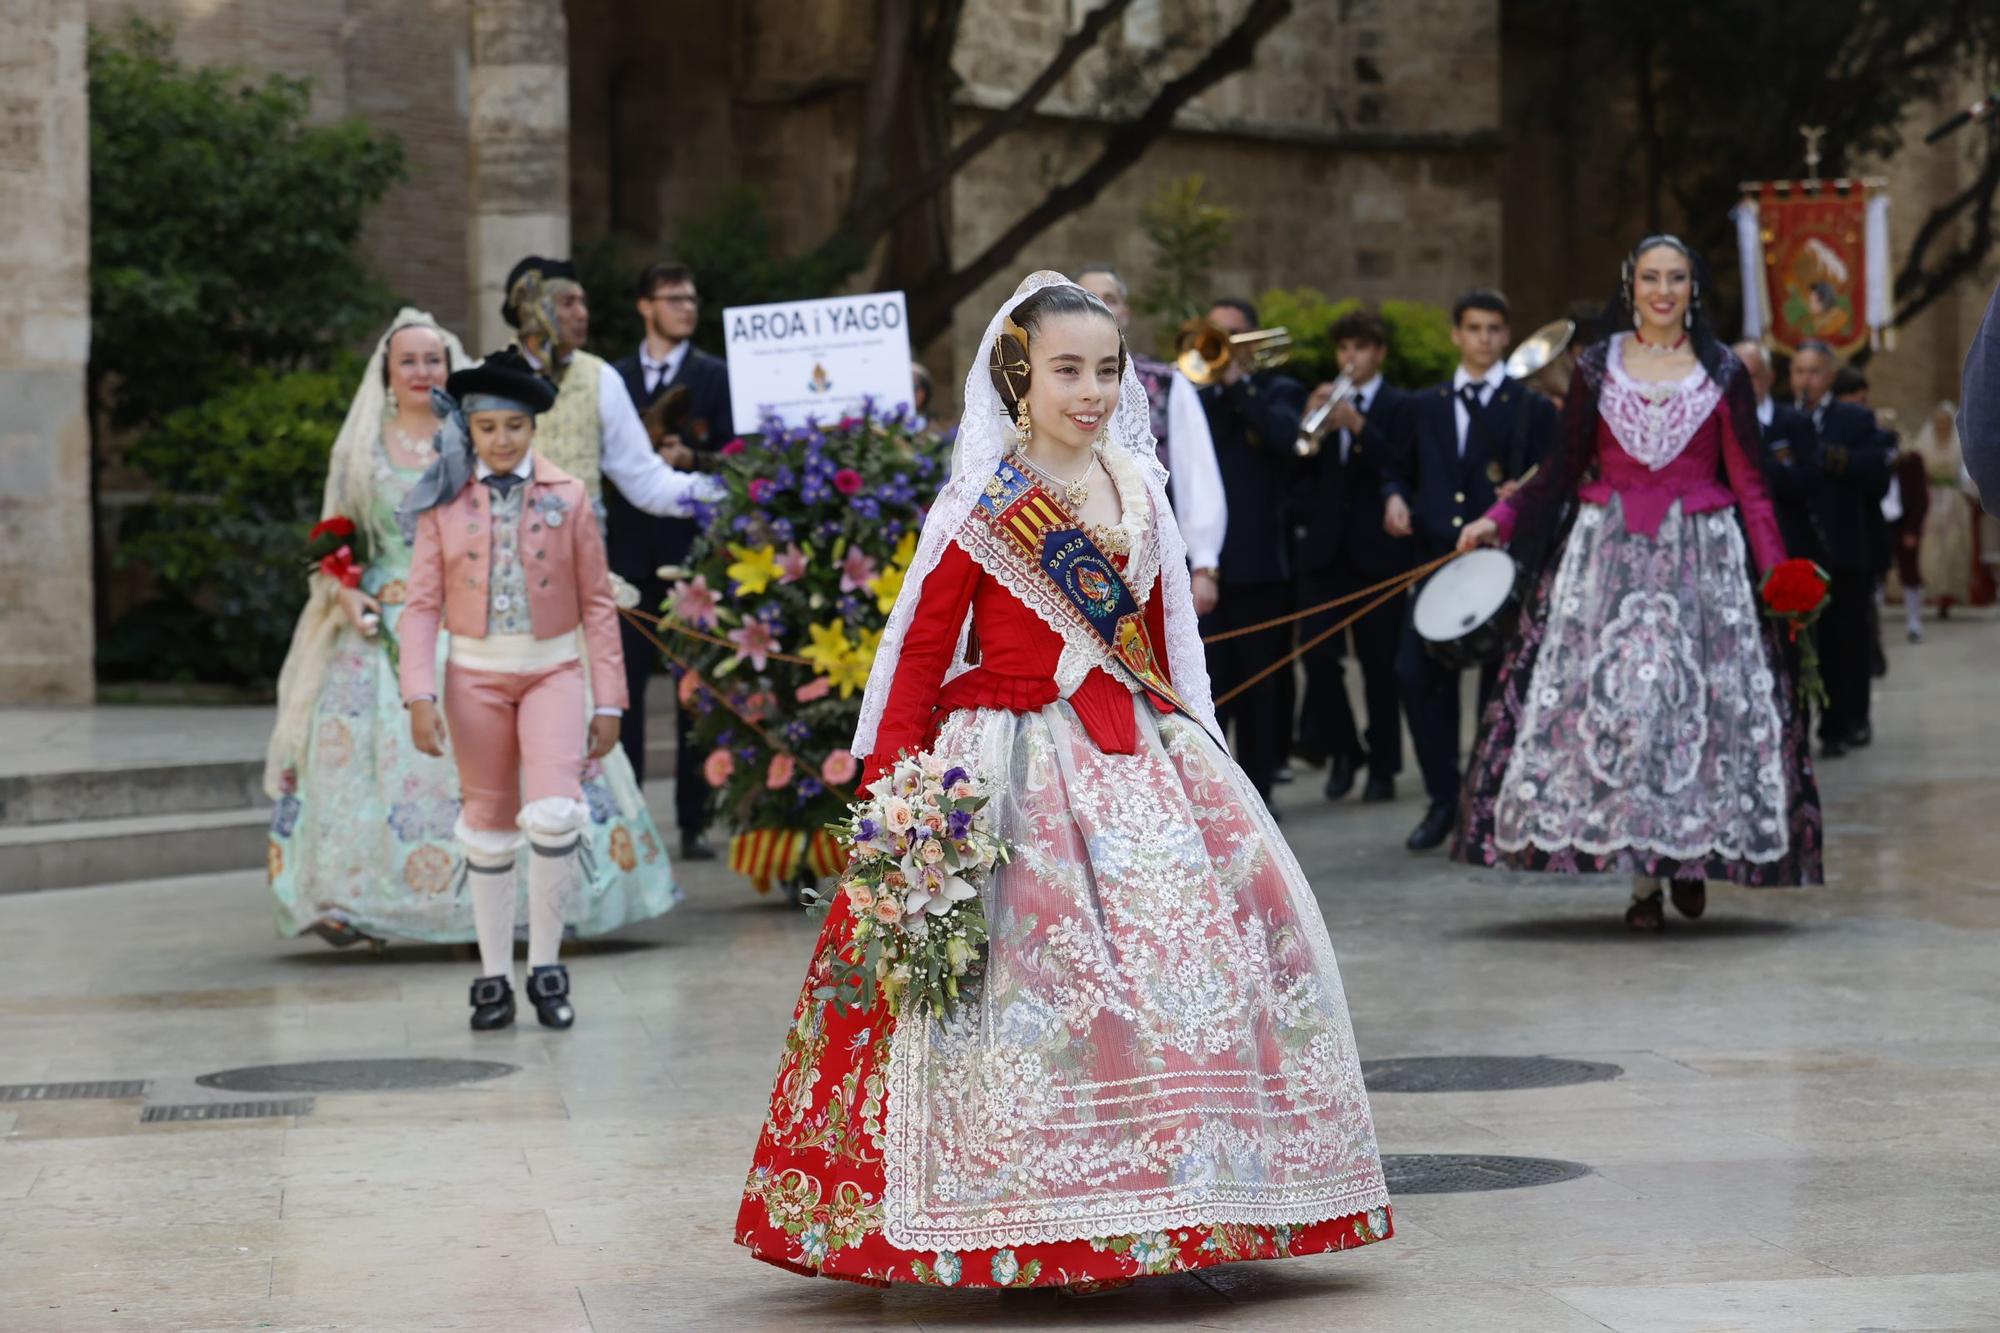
x=1917, y=287
x=1124, y=146
x=872, y=221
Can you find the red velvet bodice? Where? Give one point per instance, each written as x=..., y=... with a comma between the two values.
x=1018, y=654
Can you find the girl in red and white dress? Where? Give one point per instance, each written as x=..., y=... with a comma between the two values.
x=1155, y=1071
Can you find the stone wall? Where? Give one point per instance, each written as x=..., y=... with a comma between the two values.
x=400, y=64
x=46, y=639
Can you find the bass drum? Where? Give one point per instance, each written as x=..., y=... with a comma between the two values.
x=1467, y=611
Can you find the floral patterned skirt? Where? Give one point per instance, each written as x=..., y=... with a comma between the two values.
x=1154, y=1072
x=1645, y=720
x=362, y=833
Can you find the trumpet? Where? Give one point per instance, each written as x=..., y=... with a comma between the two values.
x=1206, y=348
x=1319, y=422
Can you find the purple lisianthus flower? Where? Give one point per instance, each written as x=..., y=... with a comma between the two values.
x=953, y=776
x=747, y=753
x=813, y=493
x=725, y=738
x=742, y=521
x=781, y=528
x=868, y=507
x=892, y=530
x=702, y=511
x=958, y=823
x=797, y=732
x=866, y=829
x=925, y=465
x=786, y=478
x=829, y=530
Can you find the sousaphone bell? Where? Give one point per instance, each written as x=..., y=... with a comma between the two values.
x=1544, y=361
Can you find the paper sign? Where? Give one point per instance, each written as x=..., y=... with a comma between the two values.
x=819, y=358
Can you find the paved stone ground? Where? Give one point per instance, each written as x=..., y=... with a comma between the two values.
x=1806, y=1135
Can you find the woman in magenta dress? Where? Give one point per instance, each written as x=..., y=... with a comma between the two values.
x=1645, y=720
x=1155, y=1070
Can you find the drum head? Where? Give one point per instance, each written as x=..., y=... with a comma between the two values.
x=1464, y=595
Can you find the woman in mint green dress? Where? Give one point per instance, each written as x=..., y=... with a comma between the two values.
x=361, y=837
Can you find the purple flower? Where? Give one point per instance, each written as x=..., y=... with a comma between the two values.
x=797, y=732
x=598, y=797
x=786, y=478
x=953, y=776
x=829, y=530
x=957, y=824
x=865, y=829
x=925, y=465
x=725, y=738
x=781, y=529
x=742, y=522
x=813, y=493
x=868, y=507
x=747, y=753
x=703, y=512
x=892, y=530
x=810, y=786
x=851, y=608
x=285, y=817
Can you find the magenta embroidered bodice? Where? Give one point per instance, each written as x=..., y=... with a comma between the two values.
x=1661, y=443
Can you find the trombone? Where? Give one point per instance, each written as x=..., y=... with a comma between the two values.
x=1207, y=348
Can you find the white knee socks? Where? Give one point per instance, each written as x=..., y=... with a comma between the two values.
x=553, y=833
x=1913, y=611
x=489, y=860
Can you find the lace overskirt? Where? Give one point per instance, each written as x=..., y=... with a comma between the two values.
x=1645, y=720
x=1156, y=1071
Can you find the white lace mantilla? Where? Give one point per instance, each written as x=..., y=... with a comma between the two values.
x=1651, y=722
x=1160, y=1038
x=1654, y=422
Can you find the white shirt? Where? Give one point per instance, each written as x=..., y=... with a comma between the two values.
x=1766, y=410
x=1200, y=505
x=628, y=458
x=1495, y=375
x=658, y=374
x=1364, y=394
x=525, y=470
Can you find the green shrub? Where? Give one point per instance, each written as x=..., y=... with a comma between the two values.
x=1420, y=347
x=240, y=478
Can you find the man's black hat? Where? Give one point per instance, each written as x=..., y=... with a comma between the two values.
x=548, y=268
x=503, y=375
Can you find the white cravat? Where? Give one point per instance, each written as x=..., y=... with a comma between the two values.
x=1495, y=375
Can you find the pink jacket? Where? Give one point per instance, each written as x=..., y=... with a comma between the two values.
x=569, y=582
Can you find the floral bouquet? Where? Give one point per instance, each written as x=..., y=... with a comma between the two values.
x=338, y=548
x=774, y=619
x=1795, y=591
x=921, y=846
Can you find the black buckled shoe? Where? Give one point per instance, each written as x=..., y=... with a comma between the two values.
x=492, y=1004
x=548, y=988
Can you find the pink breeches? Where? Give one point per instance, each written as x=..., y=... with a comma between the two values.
x=518, y=738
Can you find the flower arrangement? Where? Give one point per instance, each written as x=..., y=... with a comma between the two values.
x=338, y=548
x=920, y=845
x=773, y=624
x=1795, y=592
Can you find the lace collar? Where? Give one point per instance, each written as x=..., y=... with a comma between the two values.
x=1654, y=422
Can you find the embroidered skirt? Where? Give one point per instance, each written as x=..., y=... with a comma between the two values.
x=1645, y=719
x=1156, y=1071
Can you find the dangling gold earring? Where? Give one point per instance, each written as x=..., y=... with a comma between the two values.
x=1024, y=430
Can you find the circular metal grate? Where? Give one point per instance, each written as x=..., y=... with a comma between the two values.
x=1466, y=1173
x=1480, y=1073
x=356, y=1075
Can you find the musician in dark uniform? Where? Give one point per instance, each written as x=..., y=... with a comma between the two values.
x=1344, y=549
x=1465, y=444
x=1856, y=461
x=1792, y=462
x=697, y=422
x=1253, y=417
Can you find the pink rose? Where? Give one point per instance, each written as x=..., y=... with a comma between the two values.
x=717, y=768
x=839, y=768
x=779, y=775
x=847, y=481
x=733, y=448
x=888, y=911
x=860, y=895
x=897, y=815
x=933, y=851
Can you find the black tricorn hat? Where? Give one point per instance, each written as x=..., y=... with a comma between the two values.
x=548, y=268
x=504, y=375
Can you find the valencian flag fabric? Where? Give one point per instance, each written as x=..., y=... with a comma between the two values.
x=1814, y=257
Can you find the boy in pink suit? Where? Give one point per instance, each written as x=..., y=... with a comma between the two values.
x=509, y=558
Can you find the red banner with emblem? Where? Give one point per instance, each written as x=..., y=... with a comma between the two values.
x=1819, y=263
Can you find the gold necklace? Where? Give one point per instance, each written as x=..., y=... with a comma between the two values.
x=1076, y=492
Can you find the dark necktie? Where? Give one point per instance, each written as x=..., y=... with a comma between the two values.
x=1470, y=393
x=502, y=483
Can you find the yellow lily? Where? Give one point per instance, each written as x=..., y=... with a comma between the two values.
x=885, y=587
x=754, y=570
x=829, y=649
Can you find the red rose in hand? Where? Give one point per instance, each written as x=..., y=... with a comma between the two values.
x=1795, y=587
x=336, y=526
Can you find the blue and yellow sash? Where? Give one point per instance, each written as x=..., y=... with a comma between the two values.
x=1050, y=540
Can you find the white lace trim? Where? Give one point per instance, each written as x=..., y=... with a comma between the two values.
x=1160, y=1039
x=1654, y=422
x=1651, y=721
